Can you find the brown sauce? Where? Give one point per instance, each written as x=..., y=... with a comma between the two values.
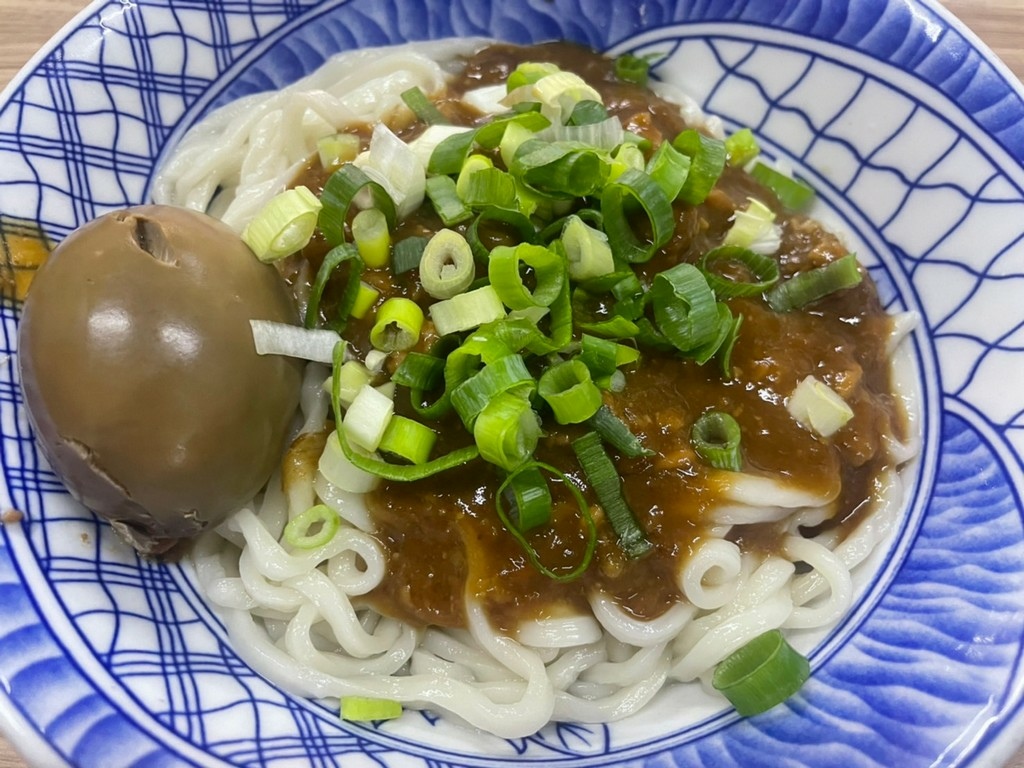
x=442, y=536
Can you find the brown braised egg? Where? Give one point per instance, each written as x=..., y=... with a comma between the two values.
x=140, y=375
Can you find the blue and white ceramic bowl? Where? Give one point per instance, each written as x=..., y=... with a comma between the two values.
x=914, y=138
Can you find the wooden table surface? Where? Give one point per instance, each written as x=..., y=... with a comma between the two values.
x=28, y=24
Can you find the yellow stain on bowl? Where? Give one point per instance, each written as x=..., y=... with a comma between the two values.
x=24, y=248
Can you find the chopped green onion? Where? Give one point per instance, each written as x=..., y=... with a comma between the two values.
x=569, y=390
x=716, y=439
x=506, y=431
x=707, y=160
x=370, y=232
x=504, y=272
x=627, y=156
x=616, y=327
x=443, y=195
x=607, y=486
x=366, y=418
x=313, y=528
x=398, y=325
x=669, y=168
x=605, y=134
x=631, y=68
x=723, y=327
x=408, y=439
x=473, y=165
x=332, y=260
x=405, y=473
x=755, y=228
x=741, y=147
x=529, y=498
x=447, y=267
x=362, y=709
x=725, y=350
x=522, y=229
x=684, y=307
x=764, y=672
x=819, y=407
x=517, y=533
x=366, y=297
x=559, y=325
x=615, y=432
x=284, y=225
x=506, y=374
x=558, y=94
x=450, y=154
x=792, y=193
x=638, y=186
x=407, y=253
x=514, y=136
x=351, y=376
x=807, y=287
x=560, y=168
x=528, y=73
x=603, y=356
x=419, y=371
x=342, y=473
x=763, y=269
x=337, y=196
x=488, y=187
x=424, y=109
x=586, y=249
x=493, y=135
x=590, y=113
x=336, y=149
x=467, y=310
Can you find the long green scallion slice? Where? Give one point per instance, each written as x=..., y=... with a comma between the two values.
x=607, y=486
x=807, y=287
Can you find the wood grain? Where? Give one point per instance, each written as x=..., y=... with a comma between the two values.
x=28, y=24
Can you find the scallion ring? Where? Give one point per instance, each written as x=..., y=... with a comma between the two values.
x=743, y=263
x=312, y=528
x=764, y=672
x=346, y=252
x=447, y=267
x=716, y=439
x=569, y=391
x=284, y=225
x=398, y=325
x=707, y=161
x=684, y=307
x=505, y=272
x=337, y=196
x=507, y=431
x=638, y=186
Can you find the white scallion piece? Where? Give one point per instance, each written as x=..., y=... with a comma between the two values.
x=818, y=407
x=392, y=164
x=467, y=310
x=755, y=228
x=341, y=473
x=273, y=338
x=425, y=144
x=367, y=418
x=487, y=99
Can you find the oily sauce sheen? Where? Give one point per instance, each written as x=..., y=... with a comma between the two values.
x=442, y=536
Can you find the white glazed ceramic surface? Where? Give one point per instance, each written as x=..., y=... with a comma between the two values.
x=914, y=139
